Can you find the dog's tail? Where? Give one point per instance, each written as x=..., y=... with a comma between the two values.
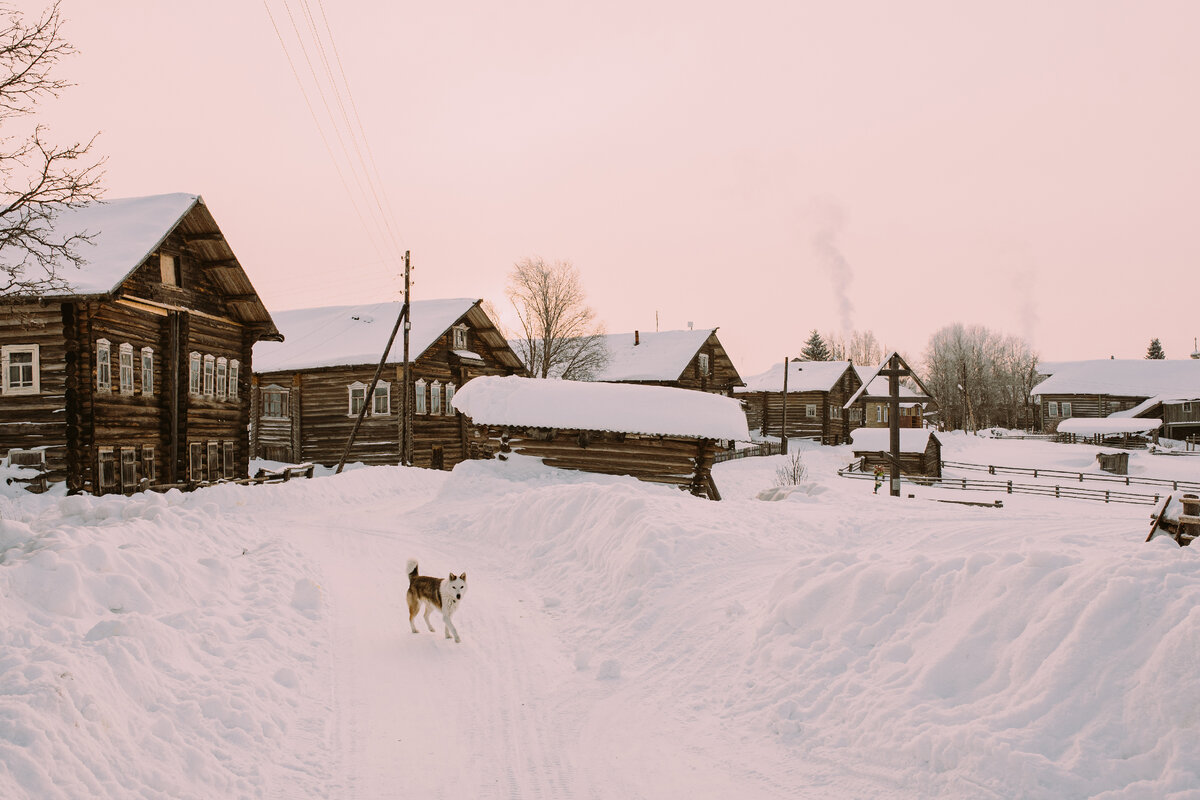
x=411, y=569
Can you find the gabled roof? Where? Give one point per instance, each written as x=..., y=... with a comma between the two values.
x=598, y=406
x=334, y=336
x=868, y=378
x=658, y=355
x=879, y=386
x=124, y=232
x=803, y=376
x=1124, y=377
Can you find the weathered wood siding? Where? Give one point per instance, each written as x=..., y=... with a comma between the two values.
x=678, y=461
x=722, y=377
x=38, y=420
x=927, y=463
x=1084, y=405
x=764, y=411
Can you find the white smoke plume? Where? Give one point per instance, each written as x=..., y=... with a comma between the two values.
x=825, y=243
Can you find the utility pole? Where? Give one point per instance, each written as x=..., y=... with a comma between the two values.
x=406, y=440
x=783, y=418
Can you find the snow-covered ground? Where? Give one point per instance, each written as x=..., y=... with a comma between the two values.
x=620, y=639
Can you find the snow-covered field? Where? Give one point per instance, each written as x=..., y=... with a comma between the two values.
x=620, y=640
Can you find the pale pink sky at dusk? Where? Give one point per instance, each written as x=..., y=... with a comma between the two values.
x=1029, y=166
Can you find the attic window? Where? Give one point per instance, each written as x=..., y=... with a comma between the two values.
x=168, y=266
x=460, y=337
x=704, y=364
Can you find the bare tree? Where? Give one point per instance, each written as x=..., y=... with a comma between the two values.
x=559, y=335
x=40, y=179
x=861, y=347
x=980, y=377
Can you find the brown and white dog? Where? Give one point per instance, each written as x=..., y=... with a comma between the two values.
x=444, y=594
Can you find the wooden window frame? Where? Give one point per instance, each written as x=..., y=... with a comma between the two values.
x=459, y=339
x=212, y=465
x=283, y=395
x=34, y=457
x=227, y=456
x=106, y=470
x=103, y=365
x=359, y=388
x=210, y=375
x=149, y=470
x=450, y=410
x=196, y=462
x=704, y=364
x=147, y=370
x=419, y=406
x=170, y=269
x=195, y=383
x=128, y=463
x=222, y=378
x=810, y=410
x=125, y=368
x=1064, y=409
x=1051, y=408
x=1187, y=408
x=235, y=368
x=383, y=390
x=435, y=398
x=35, y=386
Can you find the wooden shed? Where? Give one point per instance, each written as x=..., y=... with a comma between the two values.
x=690, y=359
x=308, y=390
x=653, y=433
x=920, y=450
x=138, y=373
x=816, y=394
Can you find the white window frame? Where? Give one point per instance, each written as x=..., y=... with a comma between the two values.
x=125, y=367
x=705, y=364
x=810, y=410
x=103, y=365
x=149, y=470
x=127, y=468
x=450, y=411
x=1064, y=408
x=284, y=399
x=361, y=389
x=835, y=411
x=383, y=391
x=113, y=469
x=222, y=378
x=879, y=413
x=1187, y=408
x=1051, y=408
x=194, y=384
x=435, y=398
x=147, y=370
x=210, y=374
x=460, y=337
x=235, y=368
x=419, y=406
x=16, y=454
x=167, y=266
x=35, y=386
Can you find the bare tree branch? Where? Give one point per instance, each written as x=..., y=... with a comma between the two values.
x=559, y=333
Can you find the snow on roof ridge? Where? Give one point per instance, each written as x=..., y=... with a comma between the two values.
x=803, y=376
x=1129, y=377
x=658, y=355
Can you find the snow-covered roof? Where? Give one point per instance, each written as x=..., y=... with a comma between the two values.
x=1152, y=403
x=803, y=376
x=598, y=406
x=1089, y=426
x=123, y=231
x=1124, y=377
x=912, y=440
x=879, y=385
x=332, y=336
x=658, y=356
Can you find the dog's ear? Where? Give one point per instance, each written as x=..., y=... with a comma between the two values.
x=463, y=576
x=453, y=577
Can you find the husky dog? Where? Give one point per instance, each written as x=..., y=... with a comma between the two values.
x=444, y=594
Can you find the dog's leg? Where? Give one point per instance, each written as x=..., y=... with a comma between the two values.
x=428, y=611
x=413, y=606
x=450, y=627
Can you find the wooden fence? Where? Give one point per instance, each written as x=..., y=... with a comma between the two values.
x=1080, y=477
x=762, y=449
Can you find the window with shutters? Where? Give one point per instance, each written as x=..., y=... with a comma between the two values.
x=103, y=365
x=196, y=461
x=22, y=370
x=148, y=469
x=194, y=373
x=222, y=377
x=106, y=469
x=147, y=370
x=125, y=375
x=213, y=468
x=129, y=461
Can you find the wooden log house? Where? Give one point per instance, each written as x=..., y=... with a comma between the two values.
x=920, y=451
x=1106, y=387
x=876, y=413
x=308, y=390
x=816, y=393
x=138, y=373
x=691, y=359
x=657, y=434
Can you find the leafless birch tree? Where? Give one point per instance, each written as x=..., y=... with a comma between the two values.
x=979, y=377
x=559, y=334
x=40, y=178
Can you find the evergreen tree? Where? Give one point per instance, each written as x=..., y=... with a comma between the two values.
x=1155, y=350
x=815, y=349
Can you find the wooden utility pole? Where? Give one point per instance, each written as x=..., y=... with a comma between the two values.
x=406, y=440
x=369, y=398
x=783, y=417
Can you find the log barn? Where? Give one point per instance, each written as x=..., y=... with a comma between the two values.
x=308, y=390
x=138, y=373
x=816, y=392
x=659, y=434
x=1104, y=387
x=691, y=359
x=920, y=450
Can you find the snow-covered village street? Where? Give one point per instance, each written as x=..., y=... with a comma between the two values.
x=620, y=639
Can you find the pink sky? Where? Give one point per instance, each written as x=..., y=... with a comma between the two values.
x=1028, y=166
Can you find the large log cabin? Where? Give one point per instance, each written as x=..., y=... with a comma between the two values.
x=137, y=374
x=816, y=393
x=876, y=413
x=691, y=359
x=309, y=389
x=1104, y=387
x=659, y=434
